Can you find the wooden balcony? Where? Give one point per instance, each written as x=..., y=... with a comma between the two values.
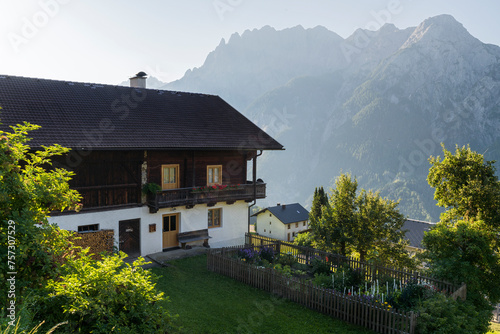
x=189, y=197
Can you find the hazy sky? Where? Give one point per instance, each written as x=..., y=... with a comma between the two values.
x=108, y=41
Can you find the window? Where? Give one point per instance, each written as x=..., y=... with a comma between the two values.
x=269, y=223
x=214, y=174
x=304, y=224
x=264, y=230
x=169, y=177
x=87, y=228
x=288, y=236
x=296, y=224
x=288, y=226
x=169, y=223
x=214, y=217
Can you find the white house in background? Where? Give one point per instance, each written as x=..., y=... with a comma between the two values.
x=190, y=151
x=282, y=222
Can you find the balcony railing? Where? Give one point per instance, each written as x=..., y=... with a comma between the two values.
x=192, y=196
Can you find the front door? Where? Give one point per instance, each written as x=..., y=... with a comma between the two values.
x=170, y=230
x=130, y=237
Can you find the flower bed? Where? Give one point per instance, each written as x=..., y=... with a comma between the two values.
x=386, y=291
x=286, y=277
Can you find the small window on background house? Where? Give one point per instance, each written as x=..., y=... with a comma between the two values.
x=296, y=224
x=269, y=223
x=288, y=226
x=264, y=230
x=214, y=174
x=214, y=217
x=304, y=224
x=86, y=228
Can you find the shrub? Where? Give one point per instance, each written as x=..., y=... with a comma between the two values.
x=103, y=297
x=319, y=266
x=247, y=254
x=284, y=270
x=441, y=314
x=268, y=254
x=346, y=277
x=323, y=280
x=287, y=259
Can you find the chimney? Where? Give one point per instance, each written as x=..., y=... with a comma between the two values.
x=283, y=206
x=139, y=81
x=278, y=204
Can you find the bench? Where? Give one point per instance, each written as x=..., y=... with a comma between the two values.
x=191, y=236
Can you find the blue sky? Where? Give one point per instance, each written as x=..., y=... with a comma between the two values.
x=108, y=41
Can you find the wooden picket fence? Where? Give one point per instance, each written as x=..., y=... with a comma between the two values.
x=372, y=271
x=353, y=309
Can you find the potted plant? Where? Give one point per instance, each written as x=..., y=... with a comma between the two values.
x=150, y=189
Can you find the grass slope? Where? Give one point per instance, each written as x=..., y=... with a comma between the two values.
x=211, y=303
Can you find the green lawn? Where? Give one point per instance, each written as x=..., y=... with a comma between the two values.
x=211, y=303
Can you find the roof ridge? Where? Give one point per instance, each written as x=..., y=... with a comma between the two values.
x=99, y=85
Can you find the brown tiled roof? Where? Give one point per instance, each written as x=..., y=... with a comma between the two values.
x=93, y=116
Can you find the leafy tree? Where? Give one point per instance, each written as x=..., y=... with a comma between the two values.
x=378, y=231
x=466, y=185
x=332, y=230
x=320, y=200
x=366, y=223
x=464, y=245
x=28, y=192
x=304, y=240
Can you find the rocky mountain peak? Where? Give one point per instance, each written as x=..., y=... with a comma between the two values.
x=439, y=29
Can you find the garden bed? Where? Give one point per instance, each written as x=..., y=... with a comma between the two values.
x=329, y=284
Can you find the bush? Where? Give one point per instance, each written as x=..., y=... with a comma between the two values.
x=320, y=266
x=103, y=297
x=443, y=315
x=268, y=254
x=287, y=259
x=413, y=295
x=247, y=254
x=346, y=277
x=323, y=280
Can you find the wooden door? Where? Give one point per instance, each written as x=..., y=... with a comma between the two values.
x=170, y=230
x=130, y=237
x=169, y=177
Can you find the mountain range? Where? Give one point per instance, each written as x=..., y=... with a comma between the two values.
x=376, y=104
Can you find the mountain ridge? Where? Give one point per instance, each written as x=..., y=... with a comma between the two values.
x=376, y=104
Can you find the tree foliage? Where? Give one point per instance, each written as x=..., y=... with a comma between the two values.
x=366, y=224
x=464, y=245
x=28, y=192
x=107, y=296
x=466, y=185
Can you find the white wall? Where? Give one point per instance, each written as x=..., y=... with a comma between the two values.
x=268, y=225
x=232, y=232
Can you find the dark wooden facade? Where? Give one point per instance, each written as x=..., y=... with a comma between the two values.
x=193, y=166
x=109, y=179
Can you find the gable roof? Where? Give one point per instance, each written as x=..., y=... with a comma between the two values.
x=287, y=213
x=93, y=116
x=415, y=231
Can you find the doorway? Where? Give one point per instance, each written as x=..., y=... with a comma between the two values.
x=130, y=237
x=170, y=230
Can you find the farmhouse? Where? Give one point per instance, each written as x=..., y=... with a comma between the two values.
x=159, y=168
x=283, y=221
